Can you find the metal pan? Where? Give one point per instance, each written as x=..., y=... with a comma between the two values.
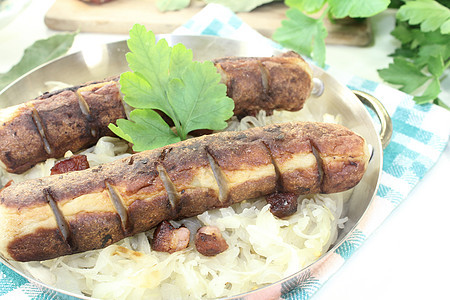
x=329, y=96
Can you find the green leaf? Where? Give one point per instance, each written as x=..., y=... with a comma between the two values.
x=434, y=57
x=194, y=99
x=431, y=92
x=435, y=50
x=137, y=90
x=319, y=52
x=436, y=66
x=38, y=53
x=430, y=37
x=146, y=129
x=396, y=3
x=403, y=33
x=423, y=57
x=170, y=5
x=166, y=79
x=306, y=6
x=240, y=5
x=404, y=73
x=303, y=34
x=119, y=132
x=180, y=60
x=428, y=13
x=445, y=28
x=405, y=52
x=154, y=66
x=149, y=61
x=356, y=8
x=420, y=38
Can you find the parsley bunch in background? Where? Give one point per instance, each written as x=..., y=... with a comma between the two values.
x=423, y=29
x=306, y=34
x=421, y=61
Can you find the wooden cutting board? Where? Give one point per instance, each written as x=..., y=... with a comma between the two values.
x=118, y=16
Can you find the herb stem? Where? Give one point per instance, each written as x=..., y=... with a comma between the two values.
x=324, y=14
x=447, y=65
x=179, y=129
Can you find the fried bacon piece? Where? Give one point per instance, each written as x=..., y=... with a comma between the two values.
x=282, y=205
x=209, y=241
x=73, y=163
x=166, y=238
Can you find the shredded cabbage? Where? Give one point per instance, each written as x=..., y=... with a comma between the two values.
x=262, y=248
x=106, y=150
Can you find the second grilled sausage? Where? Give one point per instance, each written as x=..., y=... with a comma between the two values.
x=76, y=117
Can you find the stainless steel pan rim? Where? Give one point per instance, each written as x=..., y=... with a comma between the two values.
x=107, y=60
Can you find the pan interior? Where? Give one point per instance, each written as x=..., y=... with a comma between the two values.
x=108, y=60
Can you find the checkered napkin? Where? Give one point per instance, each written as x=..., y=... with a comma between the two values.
x=420, y=135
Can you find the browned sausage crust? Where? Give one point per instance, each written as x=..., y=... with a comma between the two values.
x=282, y=82
x=76, y=117
x=52, y=124
x=93, y=208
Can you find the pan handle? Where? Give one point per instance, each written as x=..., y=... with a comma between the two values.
x=382, y=114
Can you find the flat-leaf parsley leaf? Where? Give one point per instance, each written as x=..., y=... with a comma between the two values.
x=166, y=79
x=356, y=8
x=430, y=14
x=423, y=28
x=303, y=34
x=306, y=34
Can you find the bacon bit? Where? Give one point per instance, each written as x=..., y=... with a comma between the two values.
x=73, y=163
x=209, y=241
x=282, y=204
x=6, y=185
x=166, y=238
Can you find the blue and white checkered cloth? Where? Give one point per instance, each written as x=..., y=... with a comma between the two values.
x=420, y=135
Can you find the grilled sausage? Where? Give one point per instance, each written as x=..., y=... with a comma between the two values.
x=83, y=210
x=75, y=118
x=268, y=83
x=54, y=123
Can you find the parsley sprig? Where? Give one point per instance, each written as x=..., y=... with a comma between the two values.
x=419, y=64
x=423, y=29
x=306, y=35
x=166, y=79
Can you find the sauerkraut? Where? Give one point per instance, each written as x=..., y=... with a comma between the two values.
x=262, y=248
